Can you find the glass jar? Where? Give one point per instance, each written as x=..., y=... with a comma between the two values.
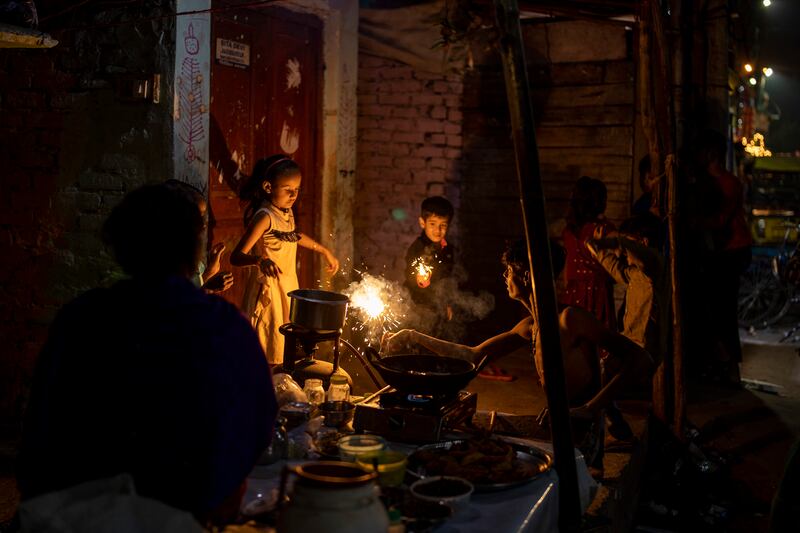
x=314, y=391
x=339, y=390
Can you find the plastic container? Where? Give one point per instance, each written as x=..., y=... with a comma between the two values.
x=313, y=389
x=391, y=467
x=363, y=447
x=339, y=390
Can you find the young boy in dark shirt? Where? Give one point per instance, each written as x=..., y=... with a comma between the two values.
x=430, y=258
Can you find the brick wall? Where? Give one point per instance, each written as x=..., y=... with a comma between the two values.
x=71, y=148
x=583, y=96
x=409, y=147
x=583, y=91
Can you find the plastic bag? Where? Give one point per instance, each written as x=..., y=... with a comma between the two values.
x=287, y=390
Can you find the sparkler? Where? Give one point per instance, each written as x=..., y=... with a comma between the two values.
x=377, y=307
x=423, y=271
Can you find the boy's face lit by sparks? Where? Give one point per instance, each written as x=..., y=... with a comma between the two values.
x=435, y=227
x=284, y=191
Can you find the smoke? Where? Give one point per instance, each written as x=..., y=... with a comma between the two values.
x=448, y=310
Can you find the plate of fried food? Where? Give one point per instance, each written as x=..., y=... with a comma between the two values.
x=488, y=463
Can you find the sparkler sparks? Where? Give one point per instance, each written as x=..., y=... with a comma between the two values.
x=423, y=271
x=376, y=307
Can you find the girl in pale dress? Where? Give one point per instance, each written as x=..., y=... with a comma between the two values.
x=270, y=243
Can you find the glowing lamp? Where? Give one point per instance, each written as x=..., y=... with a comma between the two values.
x=753, y=81
x=748, y=67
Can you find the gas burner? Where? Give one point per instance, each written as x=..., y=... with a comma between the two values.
x=404, y=400
x=415, y=418
x=421, y=399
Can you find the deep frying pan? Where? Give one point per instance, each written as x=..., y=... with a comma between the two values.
x=425, y=374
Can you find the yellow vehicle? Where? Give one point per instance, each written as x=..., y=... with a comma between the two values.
x=774, y=199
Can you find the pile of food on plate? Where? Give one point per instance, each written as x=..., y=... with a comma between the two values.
x=482, y=461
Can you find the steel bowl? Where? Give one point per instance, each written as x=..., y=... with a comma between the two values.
x=318, y=310
x=337, y=414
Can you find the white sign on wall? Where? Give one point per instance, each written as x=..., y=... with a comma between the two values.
x=233, y=53
x=192, y=92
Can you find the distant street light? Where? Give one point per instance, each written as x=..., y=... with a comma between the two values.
x=767, y=3
x=748, y=67
x=753, y=81
x=767, y=71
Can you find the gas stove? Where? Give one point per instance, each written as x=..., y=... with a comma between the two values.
x=414, y=418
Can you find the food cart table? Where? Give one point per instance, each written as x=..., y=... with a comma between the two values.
x=529, y=507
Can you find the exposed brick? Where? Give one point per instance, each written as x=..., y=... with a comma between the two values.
x=455, y=140
x=426, y=99
x=438, y=138
x=90, y=222
x=452, y=129
x=397, y=73
x=63, y=100
x=394, y=99
x=26, y=99
x=398, y=124
x=452, y=100
x=430, y=125
x=90, y=180
x=414, y=137
x=89, y=201
x=405, y=112
x=374, y=110
x=376, y=161
x=438, y=112
x=455, y=115
x=405, y=86
x=429, y=151
x=409, y=162
x=439, y=162
x=376, y=135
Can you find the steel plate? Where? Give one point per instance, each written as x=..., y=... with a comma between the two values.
x=541, y=460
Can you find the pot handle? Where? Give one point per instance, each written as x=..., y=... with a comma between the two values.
x=372, y=354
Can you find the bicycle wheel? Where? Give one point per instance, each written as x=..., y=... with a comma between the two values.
x=763, y=297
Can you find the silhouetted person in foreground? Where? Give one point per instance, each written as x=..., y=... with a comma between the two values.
x=151, y=377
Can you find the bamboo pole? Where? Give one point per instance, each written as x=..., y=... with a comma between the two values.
x=661, y=402
x=535, y=223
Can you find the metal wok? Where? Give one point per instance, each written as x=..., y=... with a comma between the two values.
x=424, y=374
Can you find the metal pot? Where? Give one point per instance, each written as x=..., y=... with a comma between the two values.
x=318, y=310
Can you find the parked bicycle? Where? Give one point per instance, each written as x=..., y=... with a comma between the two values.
x=771, y=286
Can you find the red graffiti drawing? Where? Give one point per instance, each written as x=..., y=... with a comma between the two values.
x=191, y=97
